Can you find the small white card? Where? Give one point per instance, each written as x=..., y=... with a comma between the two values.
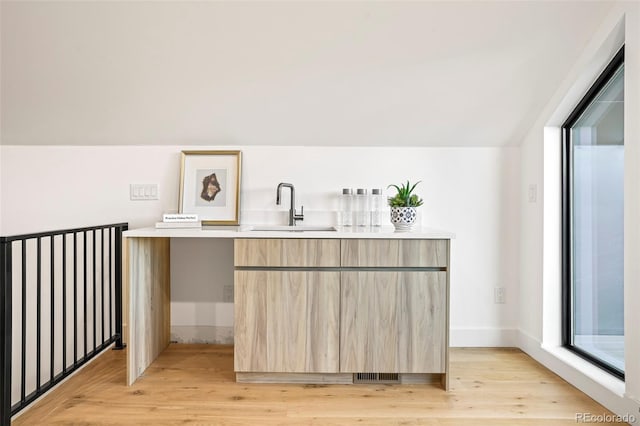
x=180, y=217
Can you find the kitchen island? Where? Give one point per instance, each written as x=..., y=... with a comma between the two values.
x=315, y=306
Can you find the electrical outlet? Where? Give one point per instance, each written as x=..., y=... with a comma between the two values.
x=499, y=295
x=227, y=293
x=533, y=193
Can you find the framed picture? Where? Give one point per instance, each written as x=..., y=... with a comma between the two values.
x=210, y=186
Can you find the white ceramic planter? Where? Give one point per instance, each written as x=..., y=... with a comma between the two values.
x=403, y=218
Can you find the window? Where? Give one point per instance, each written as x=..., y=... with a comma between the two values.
x=592, y=223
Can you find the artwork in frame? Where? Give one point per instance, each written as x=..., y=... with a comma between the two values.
x=210, y=186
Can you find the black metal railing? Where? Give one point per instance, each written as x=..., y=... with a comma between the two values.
x=60, y=291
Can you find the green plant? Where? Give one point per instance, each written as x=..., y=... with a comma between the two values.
x=404, y=197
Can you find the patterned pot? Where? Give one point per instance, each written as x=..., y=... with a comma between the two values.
x=403, y=218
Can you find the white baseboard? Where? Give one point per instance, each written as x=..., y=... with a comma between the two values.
x=459, y=337
x=589, y=379
x=479, y=337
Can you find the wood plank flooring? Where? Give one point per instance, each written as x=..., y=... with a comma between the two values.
x=194, y=384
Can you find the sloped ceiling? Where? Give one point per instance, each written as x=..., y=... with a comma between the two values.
x=285, y=73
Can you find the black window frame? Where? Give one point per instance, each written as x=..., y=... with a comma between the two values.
x=567, y=172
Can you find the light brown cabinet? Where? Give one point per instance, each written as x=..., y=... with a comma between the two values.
x=287, y=321
x=326, y=309
x=289, y=253
x=286, y=315
x=395, y=253
x=393, y=322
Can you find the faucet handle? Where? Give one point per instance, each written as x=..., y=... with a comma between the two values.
x=299, y=216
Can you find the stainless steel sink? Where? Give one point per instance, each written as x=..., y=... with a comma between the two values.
x=297, y=228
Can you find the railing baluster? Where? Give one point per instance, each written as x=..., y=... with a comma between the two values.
x=53, y=312
x=64, y=303
x=85, y=293
x=6, y=284
x=38, y=311
x=118, y=285
x=23, y=377
x=102, y=285
x=95, y=328
x=75, y=298
x=110, y=287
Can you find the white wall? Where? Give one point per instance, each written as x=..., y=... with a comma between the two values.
x=469, y=191
x=539, y=317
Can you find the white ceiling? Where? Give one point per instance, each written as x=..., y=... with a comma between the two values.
x=285, y=73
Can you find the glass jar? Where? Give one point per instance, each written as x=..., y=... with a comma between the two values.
x=346, y=207
x=362, y=207
x=377, y=206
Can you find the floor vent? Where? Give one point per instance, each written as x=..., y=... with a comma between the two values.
x=376, y=378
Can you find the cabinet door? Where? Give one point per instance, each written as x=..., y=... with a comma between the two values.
x=393, y=322
x=287, y=321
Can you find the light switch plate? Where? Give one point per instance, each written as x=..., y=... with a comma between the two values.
x=143, y=191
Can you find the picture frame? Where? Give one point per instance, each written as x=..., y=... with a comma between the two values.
x=210, y=186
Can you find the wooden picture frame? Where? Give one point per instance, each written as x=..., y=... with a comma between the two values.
x=210, y=186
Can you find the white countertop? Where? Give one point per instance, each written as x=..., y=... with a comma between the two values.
x=245, y=231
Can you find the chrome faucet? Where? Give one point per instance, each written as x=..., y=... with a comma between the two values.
x=292, y=211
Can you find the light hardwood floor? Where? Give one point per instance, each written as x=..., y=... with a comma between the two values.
x=194, y=384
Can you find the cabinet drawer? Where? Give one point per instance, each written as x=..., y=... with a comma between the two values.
x=287, y=252
x=395, y=253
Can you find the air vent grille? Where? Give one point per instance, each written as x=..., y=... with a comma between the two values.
x=376, y=378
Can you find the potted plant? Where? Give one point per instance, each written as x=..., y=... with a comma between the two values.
x=403, y=206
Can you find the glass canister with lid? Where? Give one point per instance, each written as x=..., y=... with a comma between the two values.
x=346, y=207
x=362, y=207
x=377, y=206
